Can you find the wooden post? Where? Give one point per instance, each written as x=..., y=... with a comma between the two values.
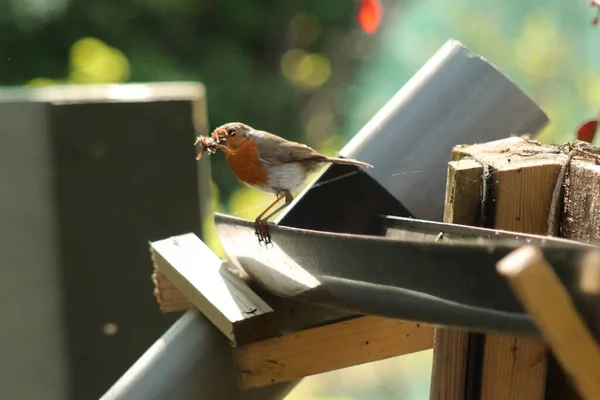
x=580, y=221
x=517, y=189
x=545, y=298
x=450, y=346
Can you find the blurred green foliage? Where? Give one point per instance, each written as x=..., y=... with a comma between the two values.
x=548, y=48
x=265, y=63
x=304, y=70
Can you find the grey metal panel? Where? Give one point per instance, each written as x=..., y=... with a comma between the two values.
x=455, y=98
x=32, y=338
x=404, y=275
x=192, y=360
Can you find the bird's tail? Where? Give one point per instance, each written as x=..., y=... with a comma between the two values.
x=348, y=161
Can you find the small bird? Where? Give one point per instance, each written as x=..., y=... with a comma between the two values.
x=267, y=162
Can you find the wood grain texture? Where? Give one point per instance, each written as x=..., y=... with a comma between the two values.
x=514, y=367
x=522, y=177
x=326, y=348
x=463, y=192
x=169, y=298
x=544, y=297
x=523, y=196
x=580, y=221
x=237, y=311
x=449, y=369
x=450, y=348
x=581, y=212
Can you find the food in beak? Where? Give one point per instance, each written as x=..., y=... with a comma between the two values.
x=207, y=145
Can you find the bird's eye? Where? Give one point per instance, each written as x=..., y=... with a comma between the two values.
x=231, y=132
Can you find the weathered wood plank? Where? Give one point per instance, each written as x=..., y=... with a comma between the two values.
x=463, y=192
x=522, y=176
x=326, y=348
x=511, y=362
x=581, y=212
x=544, y=297
x=450, y=348
x=449, y=369
x=580, y=221
x=169, y=298
x=221, y=296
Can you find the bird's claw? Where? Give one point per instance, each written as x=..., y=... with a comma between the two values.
x=261, y=230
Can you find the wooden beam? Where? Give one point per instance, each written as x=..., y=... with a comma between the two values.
x=291, y=315
x=580, y=221
x=581, y=210
x=449, y=368
x=463, y=192
x=544, y=297
x=326, y=348
x=514, y=367
x=522, y=176
x=308, y=331
x=511, y=362
x=240, y=314
x=169, y=298
x=450, y=347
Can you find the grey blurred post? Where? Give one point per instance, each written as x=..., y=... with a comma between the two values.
x=455, y=98
x=192, y=360
x=90, y=174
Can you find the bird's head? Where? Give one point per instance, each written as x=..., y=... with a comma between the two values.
x=229, y=136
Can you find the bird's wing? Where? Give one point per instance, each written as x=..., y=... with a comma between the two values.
x=275, y=150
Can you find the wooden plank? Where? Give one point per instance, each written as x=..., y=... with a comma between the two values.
x=544, y=297
x=450, y=348
x=291, y=315
x=580, y=221
x=169, y=298
x=522, y=177
x=449, y=368
x=511, y=362
x=463, y=192
x=589, y=282
x=581, y=214
x=221, y=296
x=523, y=193
x=326, y=348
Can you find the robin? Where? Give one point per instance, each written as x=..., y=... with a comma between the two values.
x=267, y=162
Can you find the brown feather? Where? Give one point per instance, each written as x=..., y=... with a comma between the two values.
x=275, y=150
x=348, y=161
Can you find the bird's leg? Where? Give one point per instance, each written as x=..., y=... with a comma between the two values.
x=257, y=221
x=263, y=228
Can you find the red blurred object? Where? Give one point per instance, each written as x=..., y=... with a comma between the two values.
x=369, y=15
x=596, y=4
x=587, y=131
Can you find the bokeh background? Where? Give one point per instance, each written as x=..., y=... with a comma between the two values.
x=305, y=70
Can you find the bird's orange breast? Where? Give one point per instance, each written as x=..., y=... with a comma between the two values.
x=245, y=164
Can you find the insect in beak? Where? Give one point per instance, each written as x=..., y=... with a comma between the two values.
x=207, y=145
